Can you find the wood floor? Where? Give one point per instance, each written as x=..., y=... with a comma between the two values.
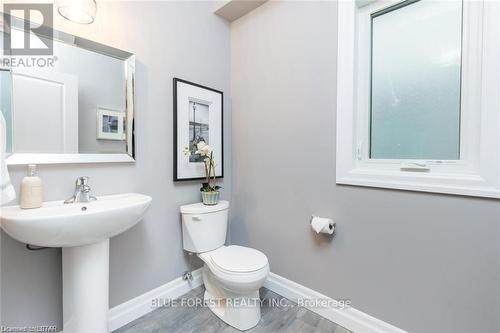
x=288, y=317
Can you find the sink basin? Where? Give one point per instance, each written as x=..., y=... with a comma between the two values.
x=59, y=225
x=83, y=231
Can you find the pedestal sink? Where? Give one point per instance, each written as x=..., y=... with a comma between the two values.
x=83, y=231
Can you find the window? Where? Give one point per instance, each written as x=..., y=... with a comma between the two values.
x=416, y=96
x=415, y=81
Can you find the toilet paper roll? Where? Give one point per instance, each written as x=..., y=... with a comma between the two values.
x=322, y=225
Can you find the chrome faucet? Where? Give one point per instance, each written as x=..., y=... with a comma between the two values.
x=82, y=191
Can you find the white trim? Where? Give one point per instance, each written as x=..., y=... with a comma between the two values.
x=350, y=318
x=478, y=174
x=129, y=311
x=23, y=159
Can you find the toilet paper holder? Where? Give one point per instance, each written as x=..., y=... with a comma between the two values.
x=331, y=226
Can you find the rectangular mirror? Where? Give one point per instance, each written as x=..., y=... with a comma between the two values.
x=75, y=106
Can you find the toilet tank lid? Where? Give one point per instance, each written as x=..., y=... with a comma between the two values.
x=200, y=208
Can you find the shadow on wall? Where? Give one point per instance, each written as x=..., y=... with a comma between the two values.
x=192, y=261
x=321, y=240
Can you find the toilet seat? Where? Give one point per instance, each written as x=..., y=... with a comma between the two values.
x=237, y=264
x=236, y=259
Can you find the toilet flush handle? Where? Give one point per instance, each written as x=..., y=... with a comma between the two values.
x=196, y=218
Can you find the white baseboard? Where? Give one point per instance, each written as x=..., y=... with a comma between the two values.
x=137, y=307
x=350, y=318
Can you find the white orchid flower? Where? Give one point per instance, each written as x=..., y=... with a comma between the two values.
x=201, y=144
x=203, y=149
x=187, y=151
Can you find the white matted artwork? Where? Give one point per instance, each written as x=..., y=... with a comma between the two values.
x=110, y=124
x=198, y=117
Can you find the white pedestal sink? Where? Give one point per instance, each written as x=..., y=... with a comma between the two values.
x=83, y=231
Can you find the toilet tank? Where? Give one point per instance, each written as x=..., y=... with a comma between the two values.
x=204, y=227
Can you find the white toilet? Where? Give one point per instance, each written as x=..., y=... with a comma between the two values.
x=232, y=274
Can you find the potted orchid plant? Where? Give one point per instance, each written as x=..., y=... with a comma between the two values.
x=209, y=189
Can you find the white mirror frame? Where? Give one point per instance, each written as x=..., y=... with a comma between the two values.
x=129, y=68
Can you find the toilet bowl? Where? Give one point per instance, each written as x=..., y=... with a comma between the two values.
x=232, y=274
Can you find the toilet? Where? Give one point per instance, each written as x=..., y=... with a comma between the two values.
x=232, y=274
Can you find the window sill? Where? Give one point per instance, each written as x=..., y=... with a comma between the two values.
x=456, y=184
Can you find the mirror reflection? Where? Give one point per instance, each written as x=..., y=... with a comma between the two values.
x=80, y=103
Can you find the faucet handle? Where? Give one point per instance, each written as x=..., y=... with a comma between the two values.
x=82, y=191
x=84, y=180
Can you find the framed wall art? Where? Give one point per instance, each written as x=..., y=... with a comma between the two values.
x=198, y=121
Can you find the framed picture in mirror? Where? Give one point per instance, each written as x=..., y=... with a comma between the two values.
x=198, y=122
x=110, y=124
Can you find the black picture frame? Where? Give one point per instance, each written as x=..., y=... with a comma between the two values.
x=175, y=131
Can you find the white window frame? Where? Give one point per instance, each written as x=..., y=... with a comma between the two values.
x=477, y=173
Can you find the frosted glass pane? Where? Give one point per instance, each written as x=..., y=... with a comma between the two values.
x=415, y=92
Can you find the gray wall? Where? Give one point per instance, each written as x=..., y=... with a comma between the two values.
x=423, y=262
x=167, y=38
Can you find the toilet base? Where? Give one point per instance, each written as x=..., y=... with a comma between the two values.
x=237, y=309
x=242, y=313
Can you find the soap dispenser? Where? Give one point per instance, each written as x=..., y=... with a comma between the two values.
x=31, y=189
